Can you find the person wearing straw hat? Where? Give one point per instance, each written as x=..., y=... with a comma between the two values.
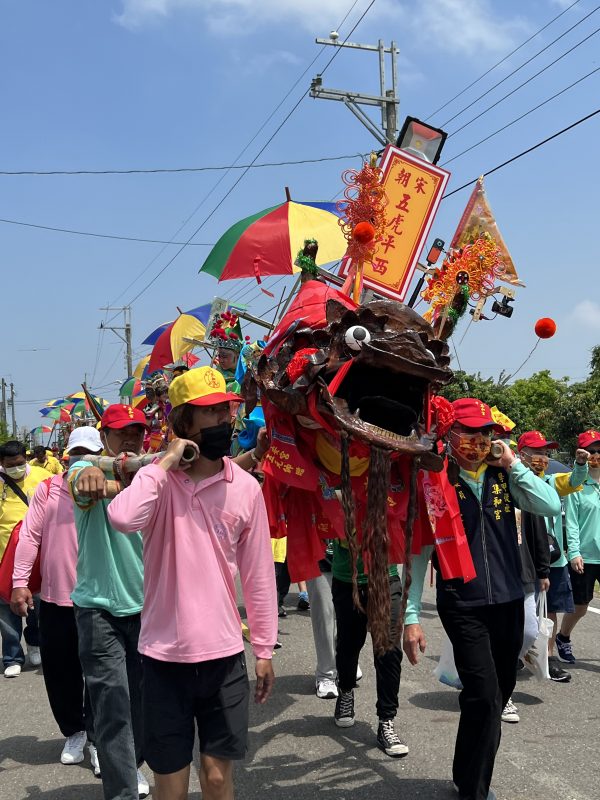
x=202, y=522
x=49, y=530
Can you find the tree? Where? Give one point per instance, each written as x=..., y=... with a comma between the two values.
x=559, y=409
x=5, y=436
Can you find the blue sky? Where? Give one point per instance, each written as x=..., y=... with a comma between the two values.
x=168, y=83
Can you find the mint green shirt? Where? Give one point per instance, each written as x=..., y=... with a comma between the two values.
x=555, y=524
x=582, y=515
x=110, y=572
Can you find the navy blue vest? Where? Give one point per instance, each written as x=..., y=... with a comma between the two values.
x=491, y=531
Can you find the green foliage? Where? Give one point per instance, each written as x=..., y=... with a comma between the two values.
x=558, y=408
x=4, y=434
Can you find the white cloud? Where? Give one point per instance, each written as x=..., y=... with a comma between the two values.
x=465, y=26
x=587, y=314
x=456, y=26
x=239, y=16
x=259, y=63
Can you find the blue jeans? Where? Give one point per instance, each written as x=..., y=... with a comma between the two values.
x=11, y=629
x=112, y=669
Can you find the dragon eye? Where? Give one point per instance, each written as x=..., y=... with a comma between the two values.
x=356, y=336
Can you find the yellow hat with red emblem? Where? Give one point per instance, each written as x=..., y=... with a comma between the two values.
x=203, y=386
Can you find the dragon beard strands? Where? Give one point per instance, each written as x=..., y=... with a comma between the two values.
x=376, y=544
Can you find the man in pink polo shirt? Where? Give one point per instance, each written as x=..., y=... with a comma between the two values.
x=201, y=524
x=49, y=529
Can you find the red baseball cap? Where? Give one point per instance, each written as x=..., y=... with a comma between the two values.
x=536, y=440
x=473, y=413
x=120, y=416
x=587, y=438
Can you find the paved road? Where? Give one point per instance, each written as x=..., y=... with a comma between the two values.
x=298, y=754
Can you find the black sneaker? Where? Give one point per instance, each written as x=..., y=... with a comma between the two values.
x=303, y=604
x=389, y=741
x=564, y=649
x=557, y=673
x=344, y=710
x=282, y=612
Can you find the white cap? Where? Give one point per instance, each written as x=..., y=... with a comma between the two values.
x=87, y=437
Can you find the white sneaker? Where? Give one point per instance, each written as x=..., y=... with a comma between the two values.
x=73, y=750
x=358, y=673
x=34, y=657
x=143, y=785
x=94, y=759
x=13, y=671
x=326, y=689
x=510, y=712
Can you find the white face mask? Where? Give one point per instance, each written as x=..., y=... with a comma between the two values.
x=17, y=473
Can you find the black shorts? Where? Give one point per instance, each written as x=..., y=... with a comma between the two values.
x=214, y=693
x=583, y=585
x=560, y=593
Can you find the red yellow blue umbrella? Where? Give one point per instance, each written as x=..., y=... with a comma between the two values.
x=267, y=243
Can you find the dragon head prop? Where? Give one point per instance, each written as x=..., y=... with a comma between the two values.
x=369, y=371
x=361, y=378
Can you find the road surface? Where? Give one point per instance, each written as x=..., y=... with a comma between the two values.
x=297, y=753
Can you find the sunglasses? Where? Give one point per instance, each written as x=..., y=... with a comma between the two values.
x=594, y=452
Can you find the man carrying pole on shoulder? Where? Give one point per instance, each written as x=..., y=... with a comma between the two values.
x=535, y=452
x=484, y=617
x=108, y=599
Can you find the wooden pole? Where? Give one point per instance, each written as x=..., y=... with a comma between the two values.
x=358, y=282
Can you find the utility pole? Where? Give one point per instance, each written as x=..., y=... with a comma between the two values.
x=12, y=403
x=387, y=100
x=125, y=336
x=3, y=405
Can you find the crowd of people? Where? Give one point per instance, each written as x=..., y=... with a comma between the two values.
x=135, y=615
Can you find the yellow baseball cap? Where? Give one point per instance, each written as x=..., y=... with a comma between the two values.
x=203, y=386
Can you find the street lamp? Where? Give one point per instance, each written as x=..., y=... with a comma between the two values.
x=421, y=140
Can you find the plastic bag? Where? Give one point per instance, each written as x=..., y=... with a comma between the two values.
x=536, y=658
x=445, y=670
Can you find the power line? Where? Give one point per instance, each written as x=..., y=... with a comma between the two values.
x=521, y=116
x=521, y=85
x=173, y=170
x=524, y=152
x=94, y=234
x=518, y=69
x=502, y=60
x=244, y=173
x=225, y=174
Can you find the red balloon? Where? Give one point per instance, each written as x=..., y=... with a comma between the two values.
x=545, y=328
x=363, y=232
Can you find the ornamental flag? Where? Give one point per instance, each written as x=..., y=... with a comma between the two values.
x=478, y=219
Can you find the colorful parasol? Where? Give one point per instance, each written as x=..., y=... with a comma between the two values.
x=188, y=360
x=41, y=429
x=131, y=388
x=267, y=243
x=58, y=414
x=141, y=371
x=171, y=343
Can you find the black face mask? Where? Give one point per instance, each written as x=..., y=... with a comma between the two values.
x=214, y=442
